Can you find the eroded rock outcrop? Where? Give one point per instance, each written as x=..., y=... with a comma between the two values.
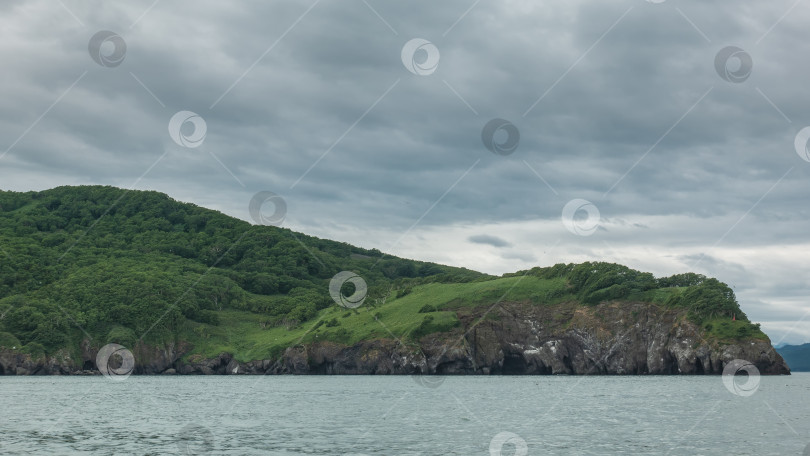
x=511, y=338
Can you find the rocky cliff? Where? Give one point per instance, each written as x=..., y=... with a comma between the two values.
x=629, y=338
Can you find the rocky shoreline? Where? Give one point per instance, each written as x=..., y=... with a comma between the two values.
x=512, y=339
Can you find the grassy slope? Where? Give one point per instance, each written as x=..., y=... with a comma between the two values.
x=240, y=332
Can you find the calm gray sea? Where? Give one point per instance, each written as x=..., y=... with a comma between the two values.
x=360, y=415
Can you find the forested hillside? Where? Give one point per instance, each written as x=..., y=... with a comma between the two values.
x=100, y=264
x=139, y=264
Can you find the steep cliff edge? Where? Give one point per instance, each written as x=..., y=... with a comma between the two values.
x=518, y=338
x=612, y=338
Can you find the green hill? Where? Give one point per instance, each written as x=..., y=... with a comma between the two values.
x=93, y=265
x=797, y=356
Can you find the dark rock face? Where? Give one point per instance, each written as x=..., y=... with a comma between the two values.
x=511, y=338
x=612, y=338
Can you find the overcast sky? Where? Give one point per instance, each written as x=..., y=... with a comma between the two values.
x=509, y=134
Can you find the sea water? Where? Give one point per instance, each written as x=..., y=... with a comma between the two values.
x=401, y=415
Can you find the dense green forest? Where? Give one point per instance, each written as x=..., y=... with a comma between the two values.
x=106, y=264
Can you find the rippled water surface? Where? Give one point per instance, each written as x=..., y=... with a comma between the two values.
x=286, y=415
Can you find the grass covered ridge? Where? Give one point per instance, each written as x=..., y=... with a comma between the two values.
x=108, y=265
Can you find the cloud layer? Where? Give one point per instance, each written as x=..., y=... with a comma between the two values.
x=689, y=161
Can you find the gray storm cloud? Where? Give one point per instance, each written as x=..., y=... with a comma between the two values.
x=686, y=150
x=487, y=239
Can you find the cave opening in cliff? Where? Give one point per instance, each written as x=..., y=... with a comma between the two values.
x=322, y=368
x=88, y=365
x=514, y=365
x=2, y=370
x=699, y=367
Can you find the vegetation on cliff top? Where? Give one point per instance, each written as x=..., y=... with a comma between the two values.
x=111, y=265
